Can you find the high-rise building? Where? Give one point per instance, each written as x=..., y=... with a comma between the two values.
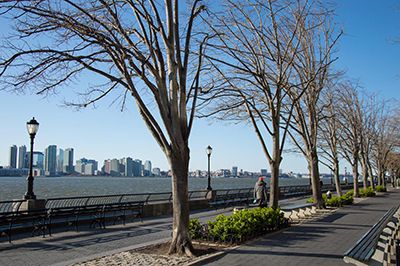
x=38, y=159
x=50, y=160
x=60, y=161
x=234, y=171
x=147, y=168
x=106, y=167
x=13, y=156
x=137, y=168
x=68, y=161
x=128, y=166
x=22, y=158
x=86, y=167
x=114, y=167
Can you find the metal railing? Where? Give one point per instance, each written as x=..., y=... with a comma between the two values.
x=150, y=198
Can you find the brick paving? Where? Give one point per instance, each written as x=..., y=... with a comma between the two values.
x=319, y=242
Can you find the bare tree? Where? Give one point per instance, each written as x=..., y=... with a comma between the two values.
x=386, y=138
x=328, y=133
x=256, y=45
x=312, y=64
x=139, y=47
x=350, y=117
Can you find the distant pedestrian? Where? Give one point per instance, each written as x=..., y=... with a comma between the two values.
x=260, y=192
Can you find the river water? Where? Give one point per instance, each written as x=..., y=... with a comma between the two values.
x=51, y=187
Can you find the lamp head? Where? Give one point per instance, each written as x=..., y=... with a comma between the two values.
x=32, y=126
x=209, y=150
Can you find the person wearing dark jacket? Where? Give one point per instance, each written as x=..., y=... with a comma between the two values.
x=260, y=192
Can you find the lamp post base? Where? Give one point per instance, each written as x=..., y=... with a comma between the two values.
x=33, y=205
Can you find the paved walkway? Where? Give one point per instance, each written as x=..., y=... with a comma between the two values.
x=68, y=246
x=321, y=242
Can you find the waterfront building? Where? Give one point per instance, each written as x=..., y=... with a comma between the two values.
x=38, y=159
x=68, y=162
x=13, y=157
x=22, y=158
x=60, y=161
x=234, y=171
x=264, y=172
x=106, y=167
x=86, y=167
x=50, y=160
x=147, y=168
x=156, y=171
x=89, y=169
x=137, y=168
x=115, y=167
x=128, y=166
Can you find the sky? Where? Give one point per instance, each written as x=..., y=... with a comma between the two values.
x=367, y=52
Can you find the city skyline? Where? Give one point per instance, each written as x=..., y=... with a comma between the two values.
x=366, y=52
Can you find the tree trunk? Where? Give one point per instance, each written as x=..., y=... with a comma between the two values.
x=355, y=178
x=379, y=178
x=315, y=180
x=371, y=174
x=274, y=185
x=337, y=178
x=274, y=165
x=179, y=162
x=364, y=173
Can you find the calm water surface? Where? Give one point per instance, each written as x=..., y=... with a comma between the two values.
x=51, y=187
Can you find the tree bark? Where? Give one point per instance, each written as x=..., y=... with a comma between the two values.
x=355, y=178
x=315, y=180
x=179, y=162
x=274, y=165
x=337, y=178
x=364, y=172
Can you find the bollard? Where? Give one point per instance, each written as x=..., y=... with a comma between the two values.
x=397, y=249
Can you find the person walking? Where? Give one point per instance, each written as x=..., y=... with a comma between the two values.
x=260, y=192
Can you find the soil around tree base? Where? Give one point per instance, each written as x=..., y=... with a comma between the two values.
x=163, y=248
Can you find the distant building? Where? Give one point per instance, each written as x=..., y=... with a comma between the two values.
x=86, y=166
x=128, y=166
x=234, y=171
x=13, y=157
x=114, y=168
x=38, y=160
x=50, y=160
x=264, y=172
x=60, y=161
x=137, y=168
x=147, y=168
x=68, y=162
x=22, y=158
x=156, y=171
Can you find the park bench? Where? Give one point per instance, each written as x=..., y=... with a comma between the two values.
x=376, y=247
x=231, y=197
x=296, y=212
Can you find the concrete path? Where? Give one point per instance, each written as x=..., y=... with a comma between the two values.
x=320, y=242
x=66, y=247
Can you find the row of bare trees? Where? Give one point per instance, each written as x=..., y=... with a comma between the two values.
x=267, y=63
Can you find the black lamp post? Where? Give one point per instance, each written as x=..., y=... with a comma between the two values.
x=32, y=127
x=209, y=151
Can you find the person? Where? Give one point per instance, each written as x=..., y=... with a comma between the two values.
x=260, y=192
x=329, y=194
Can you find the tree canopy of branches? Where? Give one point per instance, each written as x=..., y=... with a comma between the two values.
x=256, y=47
x=313, y=70
x=139, y=47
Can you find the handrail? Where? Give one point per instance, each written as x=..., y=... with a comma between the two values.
x=145, y=198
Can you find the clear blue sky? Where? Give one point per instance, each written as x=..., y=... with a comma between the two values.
x=366, y=52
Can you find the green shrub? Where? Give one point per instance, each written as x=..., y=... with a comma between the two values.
x=240, y=225
x=347, y=198
x=334, y=201
x=310, y=200
x=368, y=192
x=195, y=231
x=380, y=189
